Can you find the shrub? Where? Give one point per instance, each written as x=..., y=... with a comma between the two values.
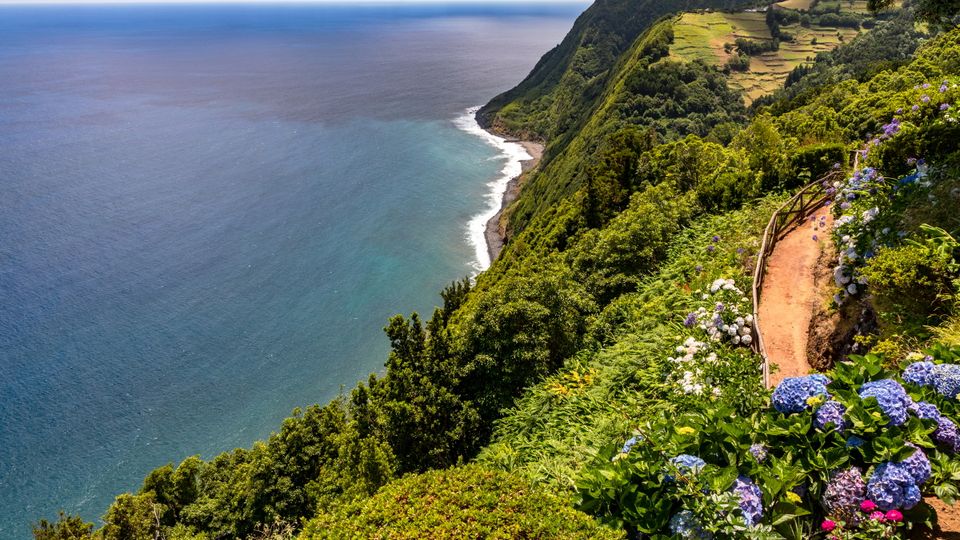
x=910, y=285
x=466, y=502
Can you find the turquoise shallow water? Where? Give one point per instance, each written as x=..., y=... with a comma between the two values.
x=207, y=214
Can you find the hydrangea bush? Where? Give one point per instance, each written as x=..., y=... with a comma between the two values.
x=722, y=319
x=863, y=201
x=846, y=454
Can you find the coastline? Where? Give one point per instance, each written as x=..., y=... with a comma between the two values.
x=494, y=233
x=483, y=230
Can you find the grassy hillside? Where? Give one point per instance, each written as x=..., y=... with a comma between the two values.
x=563, y=87
x=700, y=39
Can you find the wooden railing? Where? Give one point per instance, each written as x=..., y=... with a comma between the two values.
x=798, y=208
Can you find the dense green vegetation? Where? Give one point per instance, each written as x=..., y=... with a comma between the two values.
x=468, y=502
x=619, y=306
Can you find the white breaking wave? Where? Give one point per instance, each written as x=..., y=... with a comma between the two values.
x=514, y=154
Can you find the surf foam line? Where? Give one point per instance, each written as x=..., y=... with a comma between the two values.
x=514, y=154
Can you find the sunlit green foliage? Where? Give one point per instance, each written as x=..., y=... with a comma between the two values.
x=465, y=502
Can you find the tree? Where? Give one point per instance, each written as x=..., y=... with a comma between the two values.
x=65, y=528
x=941, y=14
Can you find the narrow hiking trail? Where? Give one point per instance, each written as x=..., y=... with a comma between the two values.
x=790, y=295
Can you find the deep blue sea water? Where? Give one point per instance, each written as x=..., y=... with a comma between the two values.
x=208, y=213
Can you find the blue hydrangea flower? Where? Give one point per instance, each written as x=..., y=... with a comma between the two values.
x=686, y=525
x=759, y=452
x=844, y=493
x=917, y=465
x=687, y=465
x=946, y=379
x=751, y=503
x=854, y=442
x=919, y=373
x=792, y=393
x=892, y=486
x=830, y=412
x=891, y=397
x=627, y=446
x=926, y=411
x=820, y=378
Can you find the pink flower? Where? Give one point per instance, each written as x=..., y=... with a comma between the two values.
x=828, y=525
x=868, y=506
x=877, y=516
x=894, y=515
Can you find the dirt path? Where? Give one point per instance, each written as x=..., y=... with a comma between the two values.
x=790, y=295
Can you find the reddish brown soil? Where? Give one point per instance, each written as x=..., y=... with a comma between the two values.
x=948, y=518
x=790, y=296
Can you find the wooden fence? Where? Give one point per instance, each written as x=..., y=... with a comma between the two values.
x=796, y=210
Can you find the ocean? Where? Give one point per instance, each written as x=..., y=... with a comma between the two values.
x=209, y=212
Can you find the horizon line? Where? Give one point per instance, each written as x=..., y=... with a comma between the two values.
x=278, y=2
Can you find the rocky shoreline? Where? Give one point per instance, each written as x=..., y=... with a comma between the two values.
x=496, y=232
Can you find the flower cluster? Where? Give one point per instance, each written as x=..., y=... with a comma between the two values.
x=944, y=378
x=725, y=318
x=919, y=373
x=759, y=452
x=856, y=233
x=896, y=485
x=891, y=397
x=687, y=465
x=686, y=525
x=751, y=500
x=849, y=226
x=797, y=394
x=692, y=355
x=844, y=494
x=946, y=435
x=830, y=414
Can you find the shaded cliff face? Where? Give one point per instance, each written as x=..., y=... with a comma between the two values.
x=565, y=85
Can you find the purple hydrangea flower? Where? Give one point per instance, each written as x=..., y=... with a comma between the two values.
x=947, y=436
x=751, y=503
x=844, y=493
x=891, y=397
x=711, y=247
x=944, y=106
x=943, y=88
x=919, y=373
x=830, y=412
x=690, y=320
x=915, y=108
x=759, y=452
x=925, y=98
x=891, y=129
x=792, y=393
